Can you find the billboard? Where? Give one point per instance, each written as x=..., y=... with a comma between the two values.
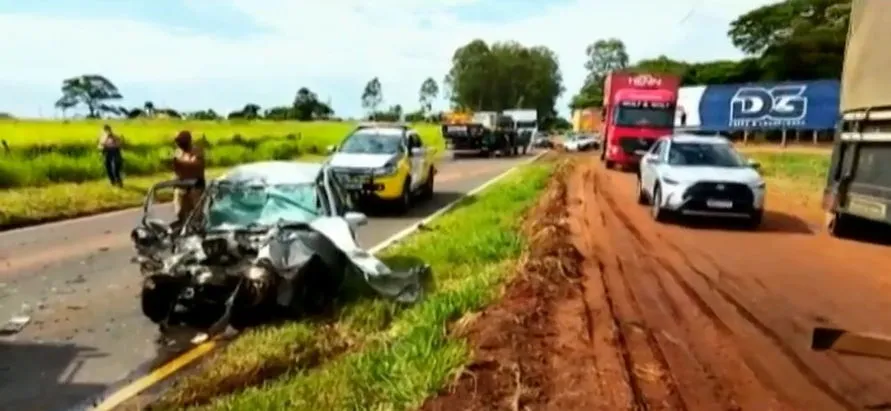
x=804, y=105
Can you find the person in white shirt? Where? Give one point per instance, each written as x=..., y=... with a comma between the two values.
x=110, y=144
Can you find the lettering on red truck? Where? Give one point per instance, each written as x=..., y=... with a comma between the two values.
x=638, y=110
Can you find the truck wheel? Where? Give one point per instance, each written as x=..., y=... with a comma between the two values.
x=427, y=191
x=837, y=225
x=609, y=164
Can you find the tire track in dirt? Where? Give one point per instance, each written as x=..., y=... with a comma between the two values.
x=769, y=333
x=699, y=351
x=607, y=313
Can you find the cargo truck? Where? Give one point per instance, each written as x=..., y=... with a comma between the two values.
x=637, y=110
x=526, y=126
x=482, y=133
x=857, y=195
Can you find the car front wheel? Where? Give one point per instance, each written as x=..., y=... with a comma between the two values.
x=754, y=220
x=641, y=195
x=659, y=214
x=404, y=201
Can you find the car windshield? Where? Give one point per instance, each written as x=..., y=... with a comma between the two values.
x=369, y=142
x=645, y=117
x=243, y=206
x=704, y=154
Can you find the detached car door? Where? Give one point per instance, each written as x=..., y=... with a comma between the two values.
x=418, y=158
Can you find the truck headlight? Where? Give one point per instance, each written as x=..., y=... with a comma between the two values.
x=386, y=170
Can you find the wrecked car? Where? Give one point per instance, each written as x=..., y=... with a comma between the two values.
x=267, y=238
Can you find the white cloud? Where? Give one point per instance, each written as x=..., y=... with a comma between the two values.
x=344, y=42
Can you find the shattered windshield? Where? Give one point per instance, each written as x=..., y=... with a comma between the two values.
x=243, y=206
x=368, y=142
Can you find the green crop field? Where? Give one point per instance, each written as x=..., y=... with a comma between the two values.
x=52, y=170
x=40, y=153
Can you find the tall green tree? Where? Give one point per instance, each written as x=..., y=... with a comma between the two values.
x=503, y=76
x=427, y=94
x=603, y=56
x=372, y=95
x=91, y=90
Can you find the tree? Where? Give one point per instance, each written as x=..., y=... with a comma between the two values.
x=795, y=39
x=503, y=76
x=305, y=104
x=149, y=108
x=429, y=92
x=280, y=113
x=603, y=56
x=373, y=95
x=208, y=114
x=91, y=90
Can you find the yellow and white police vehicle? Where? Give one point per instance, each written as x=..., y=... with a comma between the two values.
x=386, y=164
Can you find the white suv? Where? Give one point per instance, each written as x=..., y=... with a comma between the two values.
x=704, y=176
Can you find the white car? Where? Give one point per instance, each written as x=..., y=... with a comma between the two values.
x=579, y=142
x=700, y=176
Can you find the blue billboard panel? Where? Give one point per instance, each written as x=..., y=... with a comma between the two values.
x=804, y=105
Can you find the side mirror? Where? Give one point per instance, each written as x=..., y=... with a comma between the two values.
x=651, y=158
x=332, y=149
x=754, y=164
x=355, y=219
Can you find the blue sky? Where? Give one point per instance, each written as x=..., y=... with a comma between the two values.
x=222, y=54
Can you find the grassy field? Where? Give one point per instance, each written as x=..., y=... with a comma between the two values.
x=41, y=152
x=373, y=353
x=53, y=169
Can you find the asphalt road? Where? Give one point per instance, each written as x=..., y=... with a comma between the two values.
x=76, y=282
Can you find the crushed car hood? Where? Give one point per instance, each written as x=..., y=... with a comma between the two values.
x=359, y=160
x=288, y=252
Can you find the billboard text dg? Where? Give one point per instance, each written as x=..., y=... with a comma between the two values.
x=805, y=105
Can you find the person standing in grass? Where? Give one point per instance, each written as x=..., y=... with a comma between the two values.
x=188, y=164
x=110, y=144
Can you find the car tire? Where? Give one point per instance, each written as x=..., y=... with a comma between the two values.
x=641, y=195
x=427, y=191
x=404, y=202
x=659, y=214
x=754, y=220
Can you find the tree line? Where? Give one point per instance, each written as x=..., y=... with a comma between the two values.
x=482, y=77
x=790, y=40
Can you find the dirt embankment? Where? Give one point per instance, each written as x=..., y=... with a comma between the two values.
x=609, y=312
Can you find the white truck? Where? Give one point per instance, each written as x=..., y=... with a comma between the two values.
x=526, y=124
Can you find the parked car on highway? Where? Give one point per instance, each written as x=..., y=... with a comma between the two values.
x=268, y=237
x=579, y=142
x=385, y=164
x=700, y=176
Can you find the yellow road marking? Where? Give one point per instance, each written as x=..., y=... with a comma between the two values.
x=140, y=384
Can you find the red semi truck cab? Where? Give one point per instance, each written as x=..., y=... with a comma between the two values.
x=638, y=109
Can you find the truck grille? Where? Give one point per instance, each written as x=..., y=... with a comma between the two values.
x=631, y=144
x=699, y=194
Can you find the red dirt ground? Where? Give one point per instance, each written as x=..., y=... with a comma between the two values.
x=612, y=311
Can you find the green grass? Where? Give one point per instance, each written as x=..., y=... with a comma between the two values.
x=807, y=169
x=44, y=152
x=375, y=353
